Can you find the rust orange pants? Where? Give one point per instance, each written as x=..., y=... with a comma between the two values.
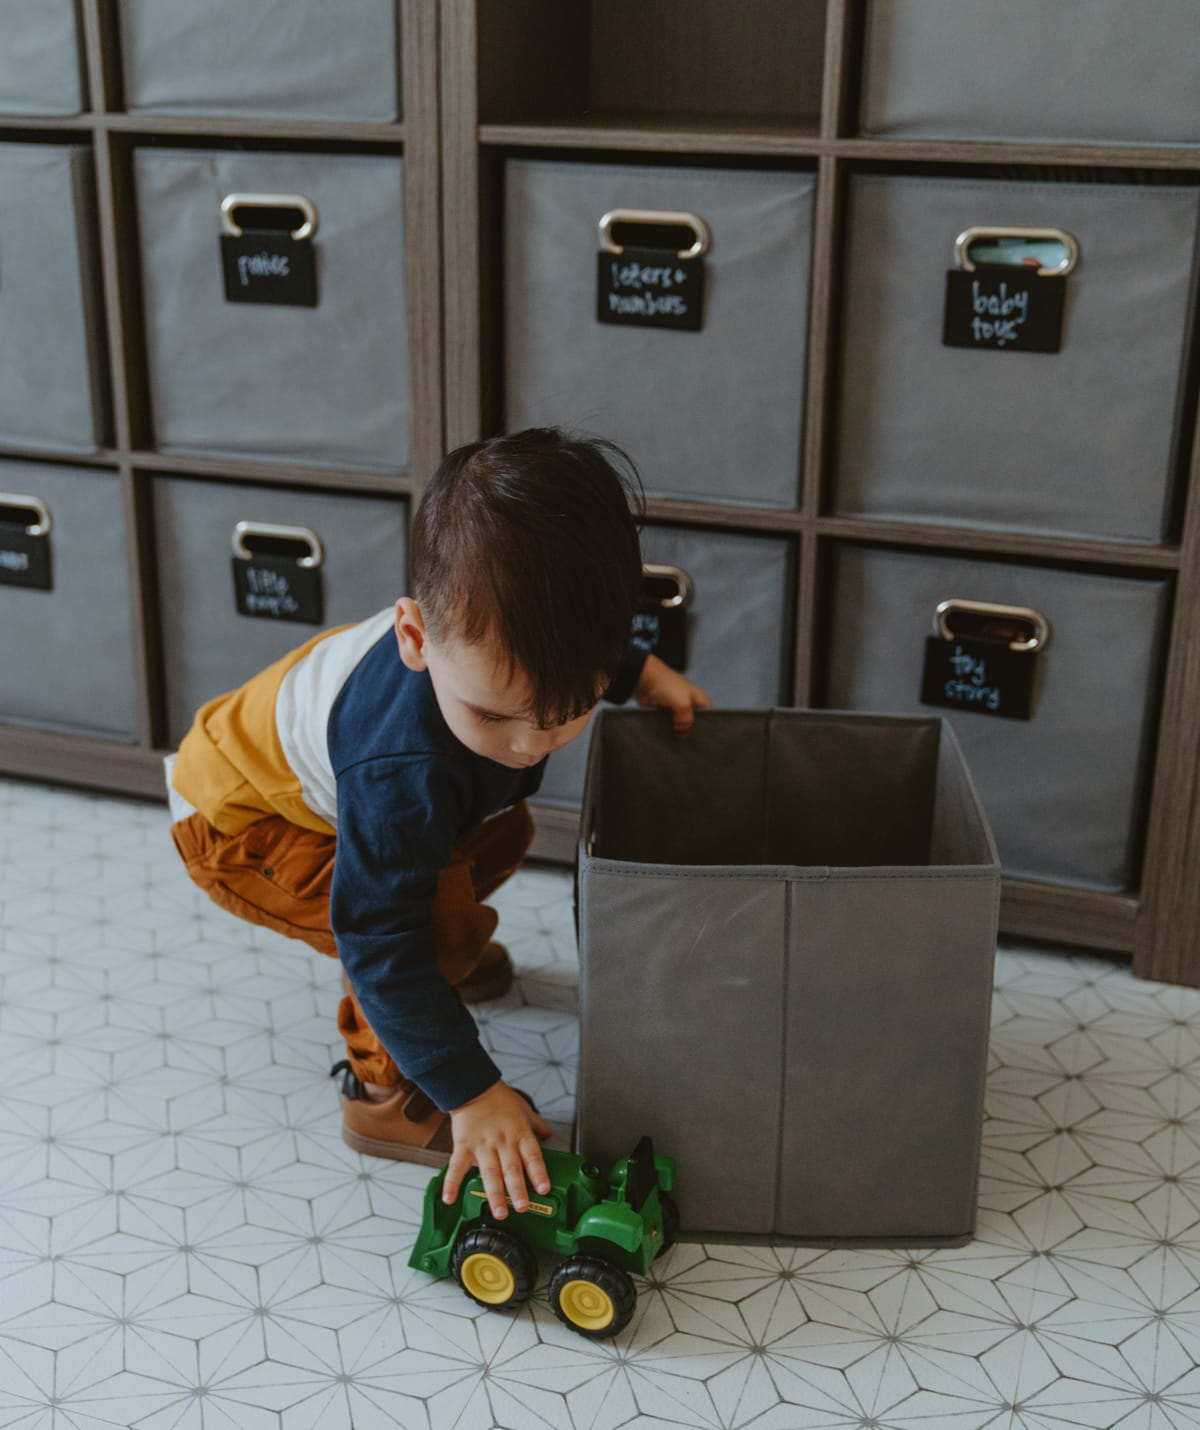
x=278, y=875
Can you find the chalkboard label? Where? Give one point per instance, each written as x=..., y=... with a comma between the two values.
x=983, y=676
x=24, y=559
x=276, y=588
x=662, y=631
x=266, y=266
x=1003, y=309
x=650, y=288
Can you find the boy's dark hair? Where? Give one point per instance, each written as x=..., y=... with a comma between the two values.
x=530, y=536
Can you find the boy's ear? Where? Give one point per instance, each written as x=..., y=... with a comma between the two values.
x=410, y=633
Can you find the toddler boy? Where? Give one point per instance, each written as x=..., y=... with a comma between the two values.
x=366, y=792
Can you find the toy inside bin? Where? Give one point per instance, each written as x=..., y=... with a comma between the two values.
x=787, y=930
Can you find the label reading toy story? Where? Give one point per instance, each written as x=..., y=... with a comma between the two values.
x=986, y=677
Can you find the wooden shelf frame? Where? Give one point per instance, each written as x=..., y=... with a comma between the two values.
x=452, y=151
x=1158, y=925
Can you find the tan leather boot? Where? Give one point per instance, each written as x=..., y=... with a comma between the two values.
x=404, y=1127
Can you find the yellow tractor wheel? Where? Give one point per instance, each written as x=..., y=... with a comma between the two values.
x=494, y=1267
x=592, y=1296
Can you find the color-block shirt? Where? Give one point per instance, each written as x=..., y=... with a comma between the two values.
x=341, y=737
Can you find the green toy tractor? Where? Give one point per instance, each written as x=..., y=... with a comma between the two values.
x=606, y=1227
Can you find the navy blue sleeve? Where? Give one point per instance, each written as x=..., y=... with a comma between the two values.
x=624, y=683
x=397, y=817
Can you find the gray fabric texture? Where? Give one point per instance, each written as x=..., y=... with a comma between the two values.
x=208, y=647
x=326, y=385
x=298, y=58
x=737, y=628
x=1065, y=790
x=53, y=373
x=41, y=58
x=1082, y=442
x=1074, y=71
x=67, y=654
x=716, y=415
x=806, y=1035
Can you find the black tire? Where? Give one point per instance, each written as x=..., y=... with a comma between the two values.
x=482, y=1279
x=592, y=1297
x=670, y=1213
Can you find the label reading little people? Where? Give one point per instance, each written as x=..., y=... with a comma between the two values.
x=1004, y=309
x=277, y=588
x=267, y=266
x=986, y=677
x=24, y=558
x=650, y=288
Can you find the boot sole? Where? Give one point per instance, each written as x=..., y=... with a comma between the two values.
x=393, y=1151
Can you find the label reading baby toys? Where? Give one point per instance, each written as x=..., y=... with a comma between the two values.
x=1004, y=309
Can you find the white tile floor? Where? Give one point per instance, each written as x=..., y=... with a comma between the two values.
x=186, y=1242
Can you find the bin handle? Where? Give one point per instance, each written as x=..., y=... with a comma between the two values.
x=1041, y=626
x=269, y=201
x=43, y=524
x=665, y=217
x=684, y=586
x=282, y=533
x=972, y=235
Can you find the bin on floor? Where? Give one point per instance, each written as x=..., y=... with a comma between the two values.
x=714, y=414
x=53, y=373
x=41, y=58
x=1076, y=71
x=322, y=559
x=787, y=928
x=326, y=384
x=66, y=612
x=262, y=58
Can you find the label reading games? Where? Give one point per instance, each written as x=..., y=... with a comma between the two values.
x=1004, y=309
x=266, y=266
x=650, y=288
x=24, y=559
x=984, y=676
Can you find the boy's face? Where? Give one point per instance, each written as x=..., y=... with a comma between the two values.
x=484, y=706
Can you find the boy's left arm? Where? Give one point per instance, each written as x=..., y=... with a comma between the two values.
x=663, y=688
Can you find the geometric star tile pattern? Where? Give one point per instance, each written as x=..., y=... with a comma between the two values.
x=187, y=1244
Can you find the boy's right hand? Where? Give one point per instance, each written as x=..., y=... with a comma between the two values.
x=498, y=1132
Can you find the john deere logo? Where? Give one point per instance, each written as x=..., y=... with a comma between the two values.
x=539, y=1207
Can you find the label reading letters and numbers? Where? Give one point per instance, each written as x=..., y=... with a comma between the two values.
x=277, y=588
x=266, y=266
x=984, y=676
x=24, y=559
x=650, y=288
x=1004, y=309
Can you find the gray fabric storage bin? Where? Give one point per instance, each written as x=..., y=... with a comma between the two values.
x=304, y=59
x=208, y=646
x=66, y=654
x=1076, y=71
x=41, y=58
x=787, y=928
x=715, y=415
x=1069, y=442
x=738, y=628
x=327, y=385
x=53, y=373
x=1065, y=790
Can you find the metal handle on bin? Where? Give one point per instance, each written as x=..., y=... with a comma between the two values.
x=269, y=201
x=43, y=524
x=1041, y=626
x=972, y=235
x=684, y=587
x=278, y=533
x=661, y=217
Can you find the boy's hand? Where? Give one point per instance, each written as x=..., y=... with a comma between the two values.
x=666, y=689
x=498, y=1132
